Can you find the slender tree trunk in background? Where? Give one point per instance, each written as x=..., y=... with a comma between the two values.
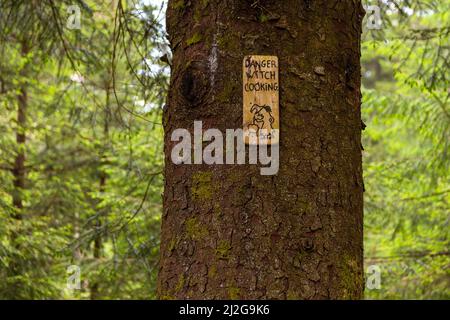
x=98, y=244
x=19, y=171
x=227, y=231
x=98, y=241
x=19, y=177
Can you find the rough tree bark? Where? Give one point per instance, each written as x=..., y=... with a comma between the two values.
x=227, y=231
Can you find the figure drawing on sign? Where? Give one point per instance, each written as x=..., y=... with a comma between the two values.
x=262, y=120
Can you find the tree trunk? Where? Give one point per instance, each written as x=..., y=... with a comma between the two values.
x=19, y=171
x=98, y=238
x=227, y=231
x=19, y=179
x=98, y=242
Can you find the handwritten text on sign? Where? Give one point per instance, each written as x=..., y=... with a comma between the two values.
x=261, y=100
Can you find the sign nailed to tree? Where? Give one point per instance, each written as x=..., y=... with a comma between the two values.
x=261, y=100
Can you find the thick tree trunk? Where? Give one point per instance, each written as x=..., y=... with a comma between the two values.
x=227, y=231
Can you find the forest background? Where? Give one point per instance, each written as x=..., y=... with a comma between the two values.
x=82, y=87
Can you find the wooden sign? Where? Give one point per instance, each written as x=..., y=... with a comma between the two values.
x=261, y=100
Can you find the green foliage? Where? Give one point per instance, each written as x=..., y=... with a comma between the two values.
x=406, y=161
x=93, y=153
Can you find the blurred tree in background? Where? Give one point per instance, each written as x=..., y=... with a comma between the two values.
x=81, y=147
x=405, y=69
x=88, y=102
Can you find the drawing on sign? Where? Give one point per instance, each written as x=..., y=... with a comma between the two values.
x=261, y=100
x=262, y=119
